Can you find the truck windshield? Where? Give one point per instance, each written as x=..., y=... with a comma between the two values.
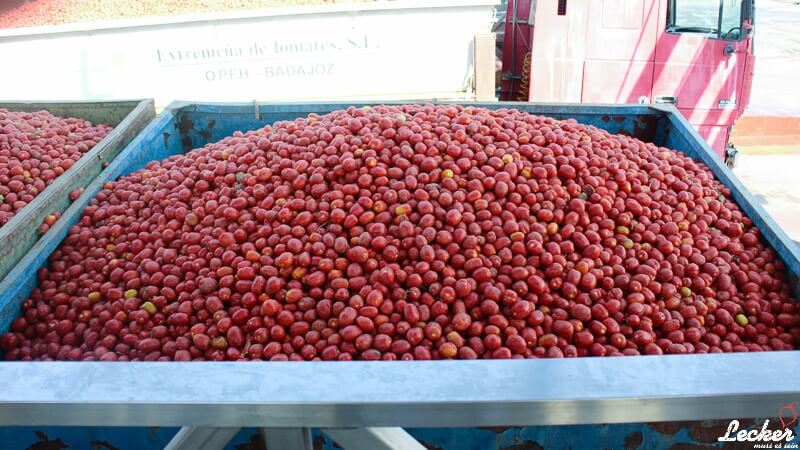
x=722, y=19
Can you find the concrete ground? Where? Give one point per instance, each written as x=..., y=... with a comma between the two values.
x=777, y=49
x=772, y=172
x=775, y=182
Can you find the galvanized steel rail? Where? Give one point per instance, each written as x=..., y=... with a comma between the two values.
x=407, y=394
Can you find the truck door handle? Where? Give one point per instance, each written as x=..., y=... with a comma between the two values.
x=729, y=50
x=665, y=99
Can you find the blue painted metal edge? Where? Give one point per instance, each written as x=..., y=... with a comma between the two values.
x=769, y=228
x=17, y=280
x=18, y=235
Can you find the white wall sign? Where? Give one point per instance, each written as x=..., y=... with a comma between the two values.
x=369, y=50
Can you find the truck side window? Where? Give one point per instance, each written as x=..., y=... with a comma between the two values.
x=732, y=20
x=721, y=20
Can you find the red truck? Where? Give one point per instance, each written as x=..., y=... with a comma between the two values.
x=696, y=54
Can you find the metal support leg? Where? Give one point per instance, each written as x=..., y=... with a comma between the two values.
x=375, y=438
x=287, y=438
x=202, y=438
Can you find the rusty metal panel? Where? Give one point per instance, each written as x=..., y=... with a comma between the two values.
x=636, y=436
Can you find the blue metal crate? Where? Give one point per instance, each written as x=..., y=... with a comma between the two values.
x=411, y=394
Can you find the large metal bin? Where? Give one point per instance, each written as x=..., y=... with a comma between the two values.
x=428, y=394
x=127, y=117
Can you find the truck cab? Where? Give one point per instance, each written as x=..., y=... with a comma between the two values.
x=695, y=54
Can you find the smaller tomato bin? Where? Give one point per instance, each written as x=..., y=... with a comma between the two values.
x=359, y=394
x=24, y=228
